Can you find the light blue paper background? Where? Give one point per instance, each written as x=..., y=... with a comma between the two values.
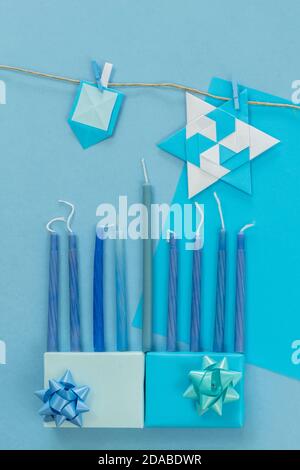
x=41, y=161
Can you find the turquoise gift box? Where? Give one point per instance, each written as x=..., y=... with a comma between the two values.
x=187, y=389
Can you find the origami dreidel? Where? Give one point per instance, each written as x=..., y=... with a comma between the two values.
x=187, y=389
x=94, y=113
x=115, y=381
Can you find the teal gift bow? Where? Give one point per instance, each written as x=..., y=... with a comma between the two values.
x=63, y=401
x=213, y=386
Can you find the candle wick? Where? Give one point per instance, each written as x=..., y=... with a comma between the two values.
x=169, y=233
x=56, y=219
x=220, y=210
x=200, y=210
x=145, y=171
x=246, y=227
x=70, y=217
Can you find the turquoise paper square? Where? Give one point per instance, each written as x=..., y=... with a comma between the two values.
x=225, y=123
x=94, y=114
x=167, y=378
x=195, y=145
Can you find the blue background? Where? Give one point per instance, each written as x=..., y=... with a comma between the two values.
x=41, y=161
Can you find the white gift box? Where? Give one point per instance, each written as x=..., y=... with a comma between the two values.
x=116, y=382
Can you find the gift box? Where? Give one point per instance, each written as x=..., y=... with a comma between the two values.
x=115, y=381
x=187, y=389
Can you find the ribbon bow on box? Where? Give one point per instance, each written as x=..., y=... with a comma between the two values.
x=213, y=386
x=63, y=401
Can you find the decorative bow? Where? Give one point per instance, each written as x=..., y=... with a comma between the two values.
x=213, y=386
x=63, y=401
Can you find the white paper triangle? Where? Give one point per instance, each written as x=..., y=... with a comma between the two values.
x=230, y=142
x=260, y=142
x=196, y=107
x=212, y=154
x=204, y=126
x=198, y=180
x=215, y=170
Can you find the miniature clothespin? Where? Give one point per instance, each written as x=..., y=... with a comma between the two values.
x=96, y=70
x=102, y=79
x=235, y=92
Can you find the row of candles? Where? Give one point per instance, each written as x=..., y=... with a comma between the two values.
x=121, y=287
x=98, y=291
x=219, y=327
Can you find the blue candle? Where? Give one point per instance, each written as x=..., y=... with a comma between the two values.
x=98, y=322
x=196, y=298
x=121, y=294
x=53, y=290
x=221, y=286
x=220, y=294
x=53, y=293
x=75, y=344
x=196, y=287
x=172, y=294
x=239, y=340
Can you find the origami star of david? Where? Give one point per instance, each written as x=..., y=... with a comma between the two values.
x=215, y=144
x=213, y=386
x=94, y=114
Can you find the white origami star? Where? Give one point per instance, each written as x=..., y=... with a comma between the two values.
x=218, y=145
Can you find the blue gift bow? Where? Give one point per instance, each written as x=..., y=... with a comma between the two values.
x=63, y=401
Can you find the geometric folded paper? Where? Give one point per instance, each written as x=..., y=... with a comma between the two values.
x=218, y=143
x=94, y=113
x=187, y=389
x=116, y=382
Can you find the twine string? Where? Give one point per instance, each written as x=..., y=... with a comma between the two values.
x=176, y=86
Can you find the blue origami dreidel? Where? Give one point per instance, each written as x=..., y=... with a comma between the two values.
x=94, y=113
x=187, y=389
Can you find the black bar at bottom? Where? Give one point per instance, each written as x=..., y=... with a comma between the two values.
x=133, y=458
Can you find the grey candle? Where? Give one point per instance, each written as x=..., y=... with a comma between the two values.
x=147, y=264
